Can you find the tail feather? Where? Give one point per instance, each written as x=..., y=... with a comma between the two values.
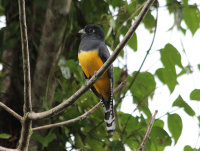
x=109, y=115
x=110, y=121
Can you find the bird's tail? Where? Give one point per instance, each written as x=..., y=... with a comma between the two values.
x=109, y=115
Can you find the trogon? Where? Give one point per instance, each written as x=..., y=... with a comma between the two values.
x=92, y=54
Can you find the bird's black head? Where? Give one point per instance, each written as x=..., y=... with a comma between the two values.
x=93, y=31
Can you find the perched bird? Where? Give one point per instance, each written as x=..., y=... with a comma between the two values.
x=92, y=54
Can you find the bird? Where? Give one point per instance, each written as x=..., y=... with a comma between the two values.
x=92, y=54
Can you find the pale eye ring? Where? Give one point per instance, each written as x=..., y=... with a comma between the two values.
x=91, y=30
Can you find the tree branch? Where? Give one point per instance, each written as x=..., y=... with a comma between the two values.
x=8, y=149
x=69, y=121
x=11, y=111
x=97, y=75
x=147, y=133
x=77, y=118
x=27, y=123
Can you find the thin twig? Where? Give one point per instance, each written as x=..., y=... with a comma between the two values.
x=11, y=111
x=97, y=75
x=8, y=149
x=27, y=123
x=169, y=112
x=96, y=126
x=147, y=51
x=69, y=121
x=136, y=10
x=148, y=132
x=140, y=102
x=132, y=82
x=77, y=118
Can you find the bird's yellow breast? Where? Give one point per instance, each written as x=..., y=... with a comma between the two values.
x=91, y=62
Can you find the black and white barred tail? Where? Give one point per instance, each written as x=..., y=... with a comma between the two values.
x=109, y=115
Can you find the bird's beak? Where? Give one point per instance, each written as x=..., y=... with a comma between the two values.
x=82, y=31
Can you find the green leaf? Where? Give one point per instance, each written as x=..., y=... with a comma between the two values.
x=121, y=54
x=34, y=148
x=149, y=21
x=74, y=68
x=198, y=118
x=13, y=28
x=115, y=3
x=9, y=43
x=44, y=140
x=124, y=30
x=131, y=121
x=159, y=73
x=159, y=123
x=117, y=146
x=133, y=42
x=58, y=96
x=175, y=126
x=154, y=147
x=94, y=10
x=132, y=6
x=170, y=54
x=160, y=136
x=93, y=143
x=4, y=136
x=195, y=95
x=186, y=69
x=2, y=11
x=145, y=109
x=55, y=145
x=48, y=139
x=183, y=30
x=185, y=3
x=133, y=144
x=78, y=141
x=170, y=57
x=199, y=66
x=169, y=75
x=188, y=148
x=181, y=103
x=191, y=18
x=169, y=3
x=143, y=87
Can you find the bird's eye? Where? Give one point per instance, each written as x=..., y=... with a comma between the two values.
x=91, y=30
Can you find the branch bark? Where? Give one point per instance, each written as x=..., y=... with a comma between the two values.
x=7, y=149
x=97, y=75
x=27, y=123
x=11, y=111
x=78, y=118
x=141, y=148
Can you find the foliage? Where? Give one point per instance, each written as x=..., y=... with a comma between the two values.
x=90, y=133
x=4, y=136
